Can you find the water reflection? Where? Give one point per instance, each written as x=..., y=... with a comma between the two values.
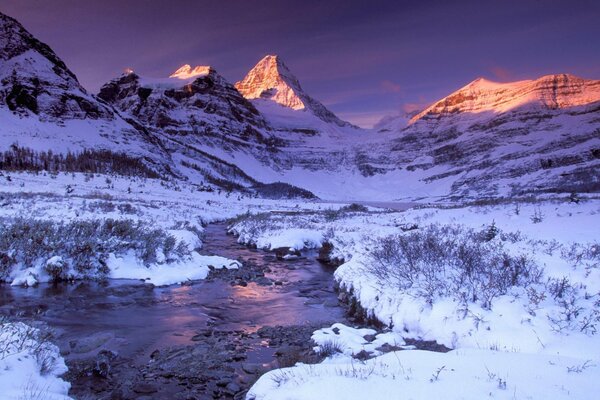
x=141, y=318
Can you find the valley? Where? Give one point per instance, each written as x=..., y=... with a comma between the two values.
x=188, y=237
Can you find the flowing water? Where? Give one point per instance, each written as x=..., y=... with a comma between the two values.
x=134, y=319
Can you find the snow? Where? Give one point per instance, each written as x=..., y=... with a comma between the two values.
x=352, y=341
x=29, y=366
x=194, y=268
x=414, y=374
x=178, y=209
x=527, y=346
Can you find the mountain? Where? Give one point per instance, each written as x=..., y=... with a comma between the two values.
x=271, y=79
x=504, y=139
x=196, y=108
x=194, y=102
x=43, y=107
x=486, y=139
x=207, y=125
x=549, y=92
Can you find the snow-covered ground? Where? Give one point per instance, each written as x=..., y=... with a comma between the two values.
x=30, y=366
x=537, y=339
x=177, y=209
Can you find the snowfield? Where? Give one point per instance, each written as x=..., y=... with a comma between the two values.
x=513, y=289
x=30, y=366
x=536, y=338
x=415, y=374
x=175, y=210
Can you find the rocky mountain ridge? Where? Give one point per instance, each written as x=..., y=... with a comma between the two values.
x=484, y=140
x=548, y=92
x=271, y=79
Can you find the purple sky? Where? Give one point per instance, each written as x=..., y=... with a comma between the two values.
x=362, y=59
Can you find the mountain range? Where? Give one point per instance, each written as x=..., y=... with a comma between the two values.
x=487, y=139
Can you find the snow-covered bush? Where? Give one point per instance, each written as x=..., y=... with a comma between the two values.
x=30, y=364
x=79, y=248
x=450, y=261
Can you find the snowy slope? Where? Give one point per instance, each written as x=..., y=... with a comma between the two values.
x=43, y=106
x=271, y=79
x=548, y=92
x=494, y=139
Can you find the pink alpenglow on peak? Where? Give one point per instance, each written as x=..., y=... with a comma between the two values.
x=547, y=92
x=187, y=72
x=271, y=80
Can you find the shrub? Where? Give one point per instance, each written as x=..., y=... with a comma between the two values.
x=450, y=262
x=330, y=348
x=80, y=247
x=354, y=207
x=57, y=268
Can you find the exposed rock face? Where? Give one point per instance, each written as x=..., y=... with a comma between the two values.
x=43, y=106
x=34, y=80
x=549, y=92
x=491, y=139
x=187, y=72
x=271, y=79
x=196, y=102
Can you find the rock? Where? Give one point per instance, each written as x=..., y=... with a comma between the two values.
x=222, y=382
x=362, y=355
x=370, y=338
x=232, y=388
x=263, y=281
x=251, y=369
x=387, y=348
x=144, y=388
x=91, y=342
x=103, y=363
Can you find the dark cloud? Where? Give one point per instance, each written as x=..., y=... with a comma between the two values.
x=362, y=58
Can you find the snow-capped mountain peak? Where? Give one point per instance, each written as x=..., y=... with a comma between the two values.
x=187, y=72
x=547, y=92
x=272, y=80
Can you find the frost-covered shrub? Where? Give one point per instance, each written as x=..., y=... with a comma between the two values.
x=577, y=309
x=57, y=268
x=448, y=261
x=354, y=207
x=20, y=340
x=78, y=247
x=330, y=348
x=332, y=214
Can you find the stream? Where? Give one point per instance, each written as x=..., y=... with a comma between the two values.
x=205, y=339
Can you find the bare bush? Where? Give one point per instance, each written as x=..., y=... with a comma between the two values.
x=81, y=247
x=330, y=348
x=450, y=261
